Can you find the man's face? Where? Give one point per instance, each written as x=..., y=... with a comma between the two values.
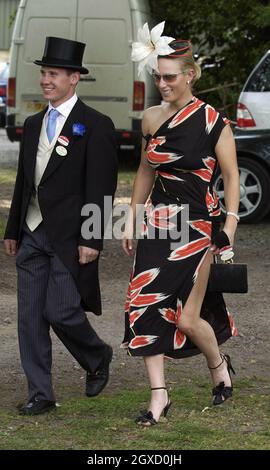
x=58, y=85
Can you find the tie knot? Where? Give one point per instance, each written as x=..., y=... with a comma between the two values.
x=53, y=114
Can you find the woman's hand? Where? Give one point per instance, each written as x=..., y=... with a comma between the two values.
x=127, y=245
x=223, y=239
x=127, y=239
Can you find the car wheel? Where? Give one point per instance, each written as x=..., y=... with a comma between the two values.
x=254, y=190
x=2, y=120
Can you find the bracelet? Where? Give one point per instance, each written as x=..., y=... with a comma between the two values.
x=234, y=215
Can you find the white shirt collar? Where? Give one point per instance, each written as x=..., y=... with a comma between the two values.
x=65, y=108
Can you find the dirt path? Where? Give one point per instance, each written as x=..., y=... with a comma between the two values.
x=250, y=350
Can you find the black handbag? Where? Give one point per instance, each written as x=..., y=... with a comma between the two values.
x=228, y=277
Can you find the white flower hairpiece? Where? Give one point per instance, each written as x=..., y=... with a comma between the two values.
x=149, y=46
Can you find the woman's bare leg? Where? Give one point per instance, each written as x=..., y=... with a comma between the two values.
x=200, y=333
x=199, y=330
x=159, y=398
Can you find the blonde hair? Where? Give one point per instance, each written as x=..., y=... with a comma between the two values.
x=183, y=52
x=188, y=63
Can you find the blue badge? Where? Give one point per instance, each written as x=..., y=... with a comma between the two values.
x=78, y=129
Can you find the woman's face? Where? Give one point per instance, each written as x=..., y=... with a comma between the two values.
x=171, y=80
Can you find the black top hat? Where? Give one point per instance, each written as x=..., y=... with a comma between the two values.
x=63, y=53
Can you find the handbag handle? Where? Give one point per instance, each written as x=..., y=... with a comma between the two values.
x=230, y=260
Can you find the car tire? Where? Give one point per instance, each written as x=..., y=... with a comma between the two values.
x=2, y=120
x=254, y=190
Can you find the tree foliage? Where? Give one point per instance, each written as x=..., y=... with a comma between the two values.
x=236, y=31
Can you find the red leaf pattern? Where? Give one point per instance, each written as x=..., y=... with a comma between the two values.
x=189, y=249
x=144, y=278
x=159, y=217
x=142, y=340
x=185, y=113
x=157, y=158
x=211, y=116
x=134, y=315
x=232, y=325
x=147, y=299
x=148, y=310
x=179, y=339
x=206, y=173
x=169, y=176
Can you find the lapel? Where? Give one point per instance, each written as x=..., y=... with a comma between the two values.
x=32, y=145
x=76, y=115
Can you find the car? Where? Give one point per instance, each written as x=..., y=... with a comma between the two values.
x=4, y=72
x=253, y=109
x=252, y=138
x=253, y=154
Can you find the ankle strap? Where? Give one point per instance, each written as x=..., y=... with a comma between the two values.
x=222, y=360
x=159, y=388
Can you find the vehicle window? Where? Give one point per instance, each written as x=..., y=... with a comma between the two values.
x=260, y=80
x=4, y=72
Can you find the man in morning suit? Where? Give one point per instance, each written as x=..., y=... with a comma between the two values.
x=67, y=159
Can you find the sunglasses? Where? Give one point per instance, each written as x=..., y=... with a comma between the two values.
x=167, y=77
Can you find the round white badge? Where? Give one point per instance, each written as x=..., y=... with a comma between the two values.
x=61, y=150
x=63, y=140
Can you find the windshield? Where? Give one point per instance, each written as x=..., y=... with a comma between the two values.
x=3, y=71
x=260, y=79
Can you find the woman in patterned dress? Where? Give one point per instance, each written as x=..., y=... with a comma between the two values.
x=169, y=311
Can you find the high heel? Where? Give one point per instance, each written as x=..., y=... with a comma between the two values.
x=221, y=392
x=146, y=418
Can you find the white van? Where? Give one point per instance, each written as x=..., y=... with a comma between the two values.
x=108, y=27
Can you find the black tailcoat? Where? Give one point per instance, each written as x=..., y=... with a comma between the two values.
x=85, y=175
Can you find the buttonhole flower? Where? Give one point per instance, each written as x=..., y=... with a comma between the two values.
x=78, y=129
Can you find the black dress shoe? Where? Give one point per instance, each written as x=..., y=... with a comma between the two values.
x=37, y=407
x=96, y=381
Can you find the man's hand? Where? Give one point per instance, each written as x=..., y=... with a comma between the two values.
x=10, y=247
x=86, y=255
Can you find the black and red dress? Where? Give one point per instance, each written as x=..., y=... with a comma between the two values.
x=180, y=218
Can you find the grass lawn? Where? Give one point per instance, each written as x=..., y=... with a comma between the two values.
x=7, y=176
x=3, y=222
x=107, y=422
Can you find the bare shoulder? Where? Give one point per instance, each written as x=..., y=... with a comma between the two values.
x=151, y=118
x=227, y=132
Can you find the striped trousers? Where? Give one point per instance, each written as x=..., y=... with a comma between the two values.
x=48, y=297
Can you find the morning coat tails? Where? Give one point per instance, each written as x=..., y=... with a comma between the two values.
x=85, y=175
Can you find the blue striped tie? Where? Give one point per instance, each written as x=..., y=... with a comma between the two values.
x=51, y=125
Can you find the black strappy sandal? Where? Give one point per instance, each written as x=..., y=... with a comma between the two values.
x=146, y=418
x=220, y=392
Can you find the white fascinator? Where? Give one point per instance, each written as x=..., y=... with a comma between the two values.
x=149, y=46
